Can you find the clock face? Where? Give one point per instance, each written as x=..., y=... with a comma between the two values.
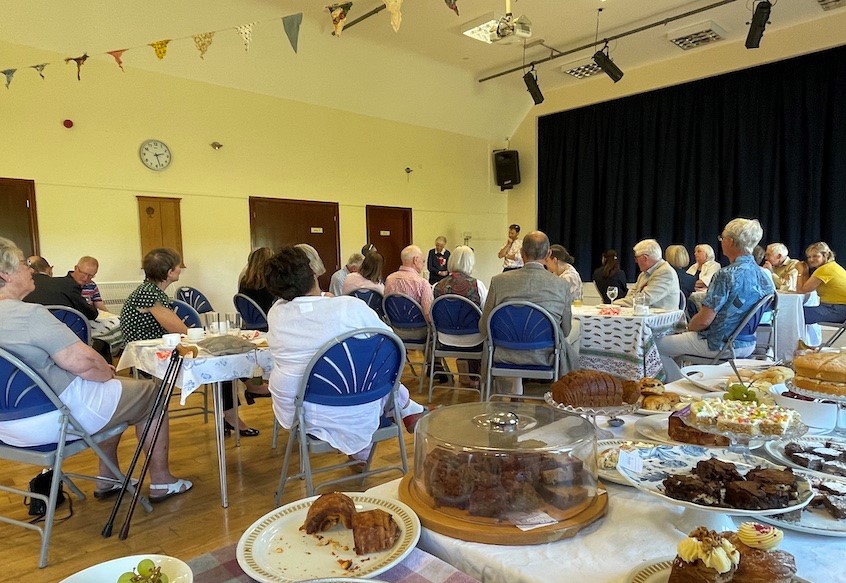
x=155, y=154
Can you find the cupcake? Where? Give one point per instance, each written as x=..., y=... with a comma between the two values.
x=704, y=557
x=760, y=561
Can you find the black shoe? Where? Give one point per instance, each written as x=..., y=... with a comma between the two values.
x=248, y=432
x=251, y=397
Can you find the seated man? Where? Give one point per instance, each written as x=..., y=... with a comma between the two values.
x=657, y=280
x=57, y=291
x=80, y=378
x=83, y=274
x=408, y=281
x=336, y=285
x=732, y=293
x=40, y=265
x=785, y=270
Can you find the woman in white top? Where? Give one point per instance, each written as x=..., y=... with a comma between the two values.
x=705, y=267
x=560, y=262
x=368, y=276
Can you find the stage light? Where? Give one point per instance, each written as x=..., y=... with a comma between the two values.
x=758, y=24
x=531, y=80
x=605, y=63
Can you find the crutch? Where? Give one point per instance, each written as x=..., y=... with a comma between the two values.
x=159, y=410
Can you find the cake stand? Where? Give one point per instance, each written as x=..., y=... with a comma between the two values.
x=742, y=442
x=592, y=412
x=840, y=426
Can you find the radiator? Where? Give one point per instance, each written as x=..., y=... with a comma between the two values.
x=115, y=293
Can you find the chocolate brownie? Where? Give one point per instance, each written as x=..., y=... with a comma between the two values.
x=692, y=489
x=783, y=477
x=827, y=453
x=837, y=468
x=714, y=470
x=808, y=460
x=836, y=505
x=755, y=496
x=836, y=488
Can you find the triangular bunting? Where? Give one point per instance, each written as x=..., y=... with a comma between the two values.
x=9, y=73
x=292, y=28
x=203, y=41
x=79, y=62
x=395, y=8
x=453, y=5
x=246, y=32
x=339, y=15
x=160, y=46
x=117, y=57
x=40, y=68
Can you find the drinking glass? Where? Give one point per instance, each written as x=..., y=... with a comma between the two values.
x=234, y=323
x=611, y=292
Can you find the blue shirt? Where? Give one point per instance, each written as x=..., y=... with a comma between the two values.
x=732, y=293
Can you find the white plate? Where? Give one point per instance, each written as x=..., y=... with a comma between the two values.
x=611, y=474
x=776, y=450
x=274, y=548
x=813, y=520
x=177, y=571
x=659, y=463
x=708, y=377
x=659, y=572
x=655, y=427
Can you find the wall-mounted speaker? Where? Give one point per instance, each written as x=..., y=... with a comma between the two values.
x=506, y=168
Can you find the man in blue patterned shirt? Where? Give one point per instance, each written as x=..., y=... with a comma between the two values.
x=732, y=293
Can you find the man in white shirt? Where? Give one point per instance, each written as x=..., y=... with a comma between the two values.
x=510, y=252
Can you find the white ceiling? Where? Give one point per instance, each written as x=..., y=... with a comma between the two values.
x=426, y=74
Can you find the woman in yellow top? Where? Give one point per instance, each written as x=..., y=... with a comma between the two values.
x=829, y=279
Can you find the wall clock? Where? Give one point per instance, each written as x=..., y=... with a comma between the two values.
x=155, y=154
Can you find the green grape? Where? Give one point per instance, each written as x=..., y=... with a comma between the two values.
x=146, y=567
x=126, y=577
x=163, y=578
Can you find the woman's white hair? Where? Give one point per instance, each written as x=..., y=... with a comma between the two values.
x=10, y=257
x=745, y=233
x=709, y=251
x=648, y=247
x=462, y=259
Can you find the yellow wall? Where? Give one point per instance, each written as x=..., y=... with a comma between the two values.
x=87, y=177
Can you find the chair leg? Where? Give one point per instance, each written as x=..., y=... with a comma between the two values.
x=275, y=439
x=305, y=462
x=431, y=374
x=283, y=477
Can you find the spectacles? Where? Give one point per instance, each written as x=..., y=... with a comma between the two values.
x=720, y=238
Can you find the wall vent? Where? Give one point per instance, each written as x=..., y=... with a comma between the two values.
x=581, y=71
x=831, y=4
x=704, y=33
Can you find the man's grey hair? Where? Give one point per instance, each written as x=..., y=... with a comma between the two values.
x=314, y=260
x=409, y=253
x=10, y=257
x=777, y=249
x=648, y=247
x=355, y=260
x=535, y=246
x=462, y=259
x=744, y=233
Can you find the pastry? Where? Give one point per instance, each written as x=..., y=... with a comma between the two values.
x=663, y=402
x=760, y=561
x=591, y=388
x=327, y=511
x=821, y=372
x=373, y=531
x=704, y=557
x=650, y=386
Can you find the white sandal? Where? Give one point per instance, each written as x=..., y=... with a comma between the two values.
x=178, y=487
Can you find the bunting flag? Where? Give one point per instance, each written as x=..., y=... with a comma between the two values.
x=395, y=8
x=453, y=5
x=160, y=46
x=9, y=73
x=246, y=32
x=117, y=57
x=203, y=41
x=40, y=68
x=339, y=15
x=79, y=62
x=292, y=28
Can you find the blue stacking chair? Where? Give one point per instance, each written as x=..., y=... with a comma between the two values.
x=371, y=298
x=253, y=316
x=74, y=320
x=187, y=314
x=24, y=394
x=194, y=298
x=457, y=316
x=358, y=367
x=405, y=316
x=527, y=327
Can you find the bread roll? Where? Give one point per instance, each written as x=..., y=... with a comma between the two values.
x=823, y=366
x=591, y=388
x=664, y=402
x=650, y=386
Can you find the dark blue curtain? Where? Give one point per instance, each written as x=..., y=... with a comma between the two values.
x=676, y=164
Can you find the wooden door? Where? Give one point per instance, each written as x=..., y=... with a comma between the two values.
x=278, y=222
x=18, y=219
x=389, y=229
x=161, y=224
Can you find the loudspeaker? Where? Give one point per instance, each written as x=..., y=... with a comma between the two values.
x=507, y=168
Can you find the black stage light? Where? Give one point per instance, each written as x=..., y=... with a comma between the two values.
x=604, y=62
x=758, y=24
x=532, y=85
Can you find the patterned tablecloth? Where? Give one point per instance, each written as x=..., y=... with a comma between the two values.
x=221, y=566
x=623, y=345
x=107, y=328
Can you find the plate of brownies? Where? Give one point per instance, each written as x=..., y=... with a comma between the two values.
x=819, y=454
x=824, y=515
x=719, y=479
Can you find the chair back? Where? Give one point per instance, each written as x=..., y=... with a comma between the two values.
x=521, y=325
x=682, y=302
x=253, y=316
x=455, y=315
x=194, y=298
x=74, y=320
x=358, y=367
x=372, y=298
x=745, y=330
x=403, y=312
x=187, y=314
x=23, y=393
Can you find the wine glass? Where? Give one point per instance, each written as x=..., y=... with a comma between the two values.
x=611, y=292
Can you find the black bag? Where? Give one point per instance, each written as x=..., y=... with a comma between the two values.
x=40, y=484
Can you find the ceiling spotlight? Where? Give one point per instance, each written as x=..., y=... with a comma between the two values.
x=531, y=80
x=605, y=63
x=216, y=145
x=758, y=24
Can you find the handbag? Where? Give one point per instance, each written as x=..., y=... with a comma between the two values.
x=40, y=484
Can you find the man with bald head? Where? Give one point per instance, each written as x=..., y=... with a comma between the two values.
x=408, y=280
x=535, y=284
x=83, y=274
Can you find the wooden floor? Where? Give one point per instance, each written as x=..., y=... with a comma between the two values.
x=185, y=526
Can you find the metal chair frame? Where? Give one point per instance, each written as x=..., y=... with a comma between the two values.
x=372, y=298
x=396, y=307
x=194, y=298
x=252, y=314
x=73, y=319
x=324, y=382
x=447, y=320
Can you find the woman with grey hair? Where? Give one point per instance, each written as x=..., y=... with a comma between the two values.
x=828, y=278
x=437, y=261
x=705, y=267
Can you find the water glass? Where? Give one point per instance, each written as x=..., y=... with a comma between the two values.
x=611, y=292
x=234, y=323
x=211, y=322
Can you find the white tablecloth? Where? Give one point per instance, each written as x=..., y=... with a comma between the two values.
x=791, y=324
x=107, y=328
x=637, y=529
x=623, y=345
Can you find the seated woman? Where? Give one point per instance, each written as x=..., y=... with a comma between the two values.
x=81, y=379
x=147, y=314
x=610, y=275
x=678, y=257
x=560, y=262
x=314, y=261
x=828, y=278
x=252, y=283
x=368, y=276
x=703, y=270
x=298, y=327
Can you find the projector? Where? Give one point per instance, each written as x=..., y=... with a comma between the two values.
x=516, y=28
x=494, y=28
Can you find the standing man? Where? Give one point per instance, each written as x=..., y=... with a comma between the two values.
x=83, y=274
x=510, y=252
x=436, y=263
x=336, y=285
x=657, y=280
